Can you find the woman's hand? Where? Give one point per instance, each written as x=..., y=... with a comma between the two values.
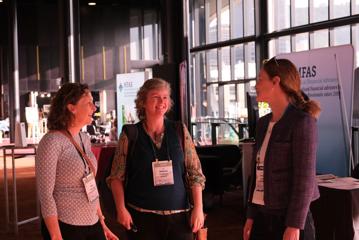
x=247, y=229
x=108, y=234
x=197, y=219
x=291, y=233
x=124, y=218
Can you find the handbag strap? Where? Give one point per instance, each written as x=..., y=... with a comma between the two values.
x=84, y=156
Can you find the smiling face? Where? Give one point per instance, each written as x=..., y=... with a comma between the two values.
x=82, y=111
x=157, y=102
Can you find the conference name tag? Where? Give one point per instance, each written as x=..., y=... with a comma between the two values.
x=90, y=187
x=162, y=173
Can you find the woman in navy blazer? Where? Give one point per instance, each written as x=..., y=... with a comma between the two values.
x=283, y=183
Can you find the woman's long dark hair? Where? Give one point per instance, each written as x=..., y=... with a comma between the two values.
x=290, y=83
x=60, y=117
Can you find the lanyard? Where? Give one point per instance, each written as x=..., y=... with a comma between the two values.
x=86, y=166
x=154, y=150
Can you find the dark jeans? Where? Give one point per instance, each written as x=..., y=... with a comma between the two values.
x=272, y=226
x=73, y=232
x=160, y=227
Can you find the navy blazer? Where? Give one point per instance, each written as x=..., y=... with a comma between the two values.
x=289, y=166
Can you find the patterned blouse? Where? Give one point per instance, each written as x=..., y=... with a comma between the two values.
x=59, y=172
x=192, y=163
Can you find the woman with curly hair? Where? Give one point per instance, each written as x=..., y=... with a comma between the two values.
x=65, y=169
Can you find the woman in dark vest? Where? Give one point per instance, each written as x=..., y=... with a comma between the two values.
x=283, y=180
x=154, y=204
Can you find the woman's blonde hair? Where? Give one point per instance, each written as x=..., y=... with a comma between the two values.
x=290, y=83
x=150, y=84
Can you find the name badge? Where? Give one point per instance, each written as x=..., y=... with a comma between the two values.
x=162, y=173
x=90, y=187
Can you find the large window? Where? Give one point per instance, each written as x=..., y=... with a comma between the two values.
x=213, y=21
x=224, y=41
x=221, y=75
x=304, y=12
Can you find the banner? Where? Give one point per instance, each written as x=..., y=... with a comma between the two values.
x=127, y=85
x=327, y=76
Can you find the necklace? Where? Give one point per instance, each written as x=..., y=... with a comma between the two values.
x=156, y=137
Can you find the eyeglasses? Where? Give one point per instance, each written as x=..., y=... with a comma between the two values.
x=265, y=61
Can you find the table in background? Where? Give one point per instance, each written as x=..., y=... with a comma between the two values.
x=103, y=153
x=10, y=151
x=336, y=212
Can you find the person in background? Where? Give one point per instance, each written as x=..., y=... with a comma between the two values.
x=91, y=128
x=156, y=206
x=63, y=173
x=284, y=161
x=113, y=132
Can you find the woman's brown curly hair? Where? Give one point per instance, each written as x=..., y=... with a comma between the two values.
x=60, y=117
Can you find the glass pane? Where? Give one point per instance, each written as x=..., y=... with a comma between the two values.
x=150, y=35
x=226, y=64
x=283, y=45
x=340, y=36
x=198, y=24
x=135, y=28
x=339, y=8
x=238, y=61
x=192, y=80
x=355, y=42
x=250, y=63
x=272, y=51
x=225, y=26
x=355, y=6
x=249, y=25
x=237, y=18
x=282, y=14
x=300, y=12
x=233, y=100
x=198, y=86
x=241, y=103
x=270, y=13
x=212, y=65
x=300, y=42
x=212, y=101
x=318, y=10
x=211, y=21
x=319, y=39
x=230, y=101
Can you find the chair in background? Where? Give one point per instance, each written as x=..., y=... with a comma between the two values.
x=222, y=166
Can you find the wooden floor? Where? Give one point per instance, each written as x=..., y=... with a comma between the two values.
x=224, y=221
